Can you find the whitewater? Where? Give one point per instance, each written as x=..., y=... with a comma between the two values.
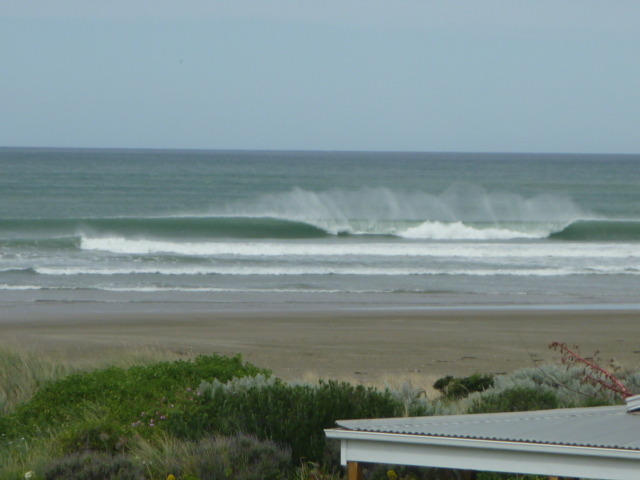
x=125, y=225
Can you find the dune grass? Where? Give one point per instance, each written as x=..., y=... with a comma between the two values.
x=419, y=381
x=23, y=372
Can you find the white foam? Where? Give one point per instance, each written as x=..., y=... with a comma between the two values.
x=485, y=250
x=19, y=287
x=298, y=270
x=155, y=289
x=460, y=231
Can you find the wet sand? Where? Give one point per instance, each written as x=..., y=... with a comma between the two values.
x=357, y=344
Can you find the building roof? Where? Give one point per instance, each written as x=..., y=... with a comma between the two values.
x=598, y=442
x=604, y=427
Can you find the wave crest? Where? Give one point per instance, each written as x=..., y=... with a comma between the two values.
x=460, y=231
x=600, y=230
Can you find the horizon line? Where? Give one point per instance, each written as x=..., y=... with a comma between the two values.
x=310, y=150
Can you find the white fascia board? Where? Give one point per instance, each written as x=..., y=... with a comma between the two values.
x=488, y=455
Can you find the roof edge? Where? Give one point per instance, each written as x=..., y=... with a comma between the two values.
x=483, y=443
x=633, y=403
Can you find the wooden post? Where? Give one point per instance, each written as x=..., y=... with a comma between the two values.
x=468, y=475
x=354, y=470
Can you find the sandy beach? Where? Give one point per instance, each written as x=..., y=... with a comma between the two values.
x=359, y=345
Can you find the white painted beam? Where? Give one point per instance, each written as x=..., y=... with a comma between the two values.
x=487, y=455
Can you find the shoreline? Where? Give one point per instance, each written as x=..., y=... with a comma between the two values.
x=361, y=344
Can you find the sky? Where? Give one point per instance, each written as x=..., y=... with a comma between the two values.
x=404, y=75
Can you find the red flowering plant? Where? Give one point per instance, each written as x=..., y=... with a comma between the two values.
x=593, y=372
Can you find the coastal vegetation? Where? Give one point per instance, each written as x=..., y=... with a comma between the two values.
x=213, y=417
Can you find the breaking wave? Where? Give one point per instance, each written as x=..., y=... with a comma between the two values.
x=600, y=230
x=192, y=231
x=461, y=212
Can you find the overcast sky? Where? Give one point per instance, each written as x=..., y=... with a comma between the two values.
x=419, y=75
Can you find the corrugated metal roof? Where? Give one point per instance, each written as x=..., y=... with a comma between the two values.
x=603, y=427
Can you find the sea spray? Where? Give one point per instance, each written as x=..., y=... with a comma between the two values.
x=460, y=203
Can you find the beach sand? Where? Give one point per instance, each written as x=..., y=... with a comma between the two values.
x=358, y=345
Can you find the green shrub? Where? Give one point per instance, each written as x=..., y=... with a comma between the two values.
x=460, y=387
x=414, y=400
x=122, y=394
x=93, y=466
x=508, y=476
x=94, y=435
x=514, y=400
x=294, y=415
x=442, y=383
x=568, y=385
x=241, y=457
x=378, y=471
x=315, y=471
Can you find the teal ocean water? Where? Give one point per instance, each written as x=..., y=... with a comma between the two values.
x=125, y=226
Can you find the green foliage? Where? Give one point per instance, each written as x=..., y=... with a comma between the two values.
x=315, y=471
x=22, y=455
x=508, y=476
x=516, y=399
x=414, y=400
x=294, y=415
x=408, y=472
x=97, y=435
x=442, y=383
x=396, y=472
x=93, y=466
x=460, y=387
x=241, y=457
x=566, y=384
x=226, y=428
x=122, y=394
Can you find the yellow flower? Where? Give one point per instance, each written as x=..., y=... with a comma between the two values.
x=171, y=476
x=391, y=475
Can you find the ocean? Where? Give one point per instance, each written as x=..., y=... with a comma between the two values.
x=233, y=230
